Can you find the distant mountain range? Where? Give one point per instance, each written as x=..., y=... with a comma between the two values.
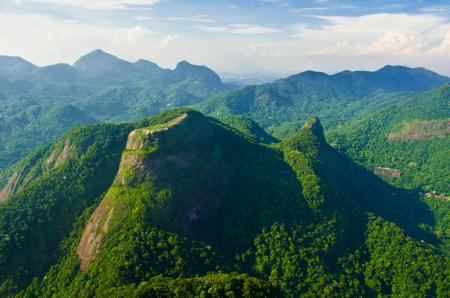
x=100, y=86
x=99, y=65
x=104, y=88
x=281, y=106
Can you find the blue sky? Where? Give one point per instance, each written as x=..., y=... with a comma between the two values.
x=255, y=36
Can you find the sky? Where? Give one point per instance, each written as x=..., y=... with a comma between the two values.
x=245, y=37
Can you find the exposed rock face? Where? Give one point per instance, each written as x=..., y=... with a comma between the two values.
x=138, y=139
x=138, y=163
x=387, y=172
x=20, y=179
x=94, y=233
x=10, y=187
x=419, y=130
x=27, y=173
x=57, y=158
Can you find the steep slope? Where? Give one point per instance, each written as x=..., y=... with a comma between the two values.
x=249, y=128
x=53, y=187
x=191, y=201
x=282, y=106
x=412, y=136
x=23, y=129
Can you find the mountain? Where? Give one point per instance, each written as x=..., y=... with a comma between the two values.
x=281, y=106
x=15, y=67
x=106, y=67
x=411, y=136
x=24, y=127
x=390, y=79
x=58, y=72
x=182, y=205
x=102, y=86
x=99, y=63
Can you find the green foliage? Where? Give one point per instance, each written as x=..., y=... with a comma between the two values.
x=211, y=285
x=424, y=163
x=397, y=264
x=212, y=212
x=35, y=220
x=25, y=126
x=249, y=128
x=282, y=106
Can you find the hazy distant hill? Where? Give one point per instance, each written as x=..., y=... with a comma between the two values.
x=281, y=106
x=183, y=205
x=99, y=85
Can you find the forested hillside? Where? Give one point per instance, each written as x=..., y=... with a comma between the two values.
x=181, y=205
x=283, y=105
x=411, y=136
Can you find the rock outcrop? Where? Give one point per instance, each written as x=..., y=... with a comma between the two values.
x=387, y=172
x=419, y=130
x=142, y=167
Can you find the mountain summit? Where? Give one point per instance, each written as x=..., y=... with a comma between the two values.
x=182, y=203
x=99, y=63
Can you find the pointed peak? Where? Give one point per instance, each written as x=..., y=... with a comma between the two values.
x=96, y=55
x=309, y=139
x=14, y=66
x=99, y=52
x=313, y=124
x=184, y=64
x=146, y=65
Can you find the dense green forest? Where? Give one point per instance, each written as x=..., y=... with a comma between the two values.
x=25, y=126
x=412, y=136
x=181, y=204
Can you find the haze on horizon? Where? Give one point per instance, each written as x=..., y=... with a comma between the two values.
x=270, y=36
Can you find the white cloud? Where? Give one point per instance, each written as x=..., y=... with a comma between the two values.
x=99, y=4
x=307, y=10
x=195, y=18
x=443, y=47
x=436, y=9
x=252, y=29
x=240, y=29
x=144, y=18
x=212, y=28
x=138, y=33
x=391, y=34
x=394, y=42
x=334, y=44
x=46, y=40
x=167, y=41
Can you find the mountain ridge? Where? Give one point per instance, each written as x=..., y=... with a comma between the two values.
x=186, y=195
x=281, y=106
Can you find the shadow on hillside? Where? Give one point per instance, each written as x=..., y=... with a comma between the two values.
x=261, y=189
x=364, y=193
